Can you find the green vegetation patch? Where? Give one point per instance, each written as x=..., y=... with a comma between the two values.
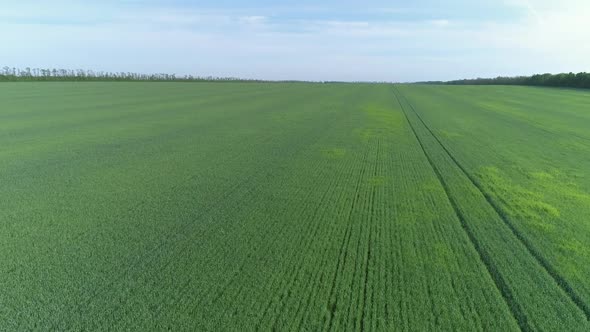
x=523, y=203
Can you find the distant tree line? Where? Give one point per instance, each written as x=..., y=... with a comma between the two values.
x=13, y=74
x=41, y=74
x=568, y=80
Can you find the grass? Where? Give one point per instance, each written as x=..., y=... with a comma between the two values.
x=209, y=206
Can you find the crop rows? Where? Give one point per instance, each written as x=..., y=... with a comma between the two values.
x=198, y=206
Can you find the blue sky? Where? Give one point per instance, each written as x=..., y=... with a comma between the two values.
x=309, y=40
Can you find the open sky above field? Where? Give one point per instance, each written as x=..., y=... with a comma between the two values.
x=327, y=40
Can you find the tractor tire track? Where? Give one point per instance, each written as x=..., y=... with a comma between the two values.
x=499, y=281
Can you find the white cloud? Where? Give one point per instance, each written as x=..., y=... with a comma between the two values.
x=254, y=19
x=440, y=23
x=557, y=31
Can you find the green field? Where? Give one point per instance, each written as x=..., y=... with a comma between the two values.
x=291, y=206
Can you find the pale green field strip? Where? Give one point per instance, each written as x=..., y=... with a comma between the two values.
x=529, y=150
x=211, y=206
x=522, y=279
